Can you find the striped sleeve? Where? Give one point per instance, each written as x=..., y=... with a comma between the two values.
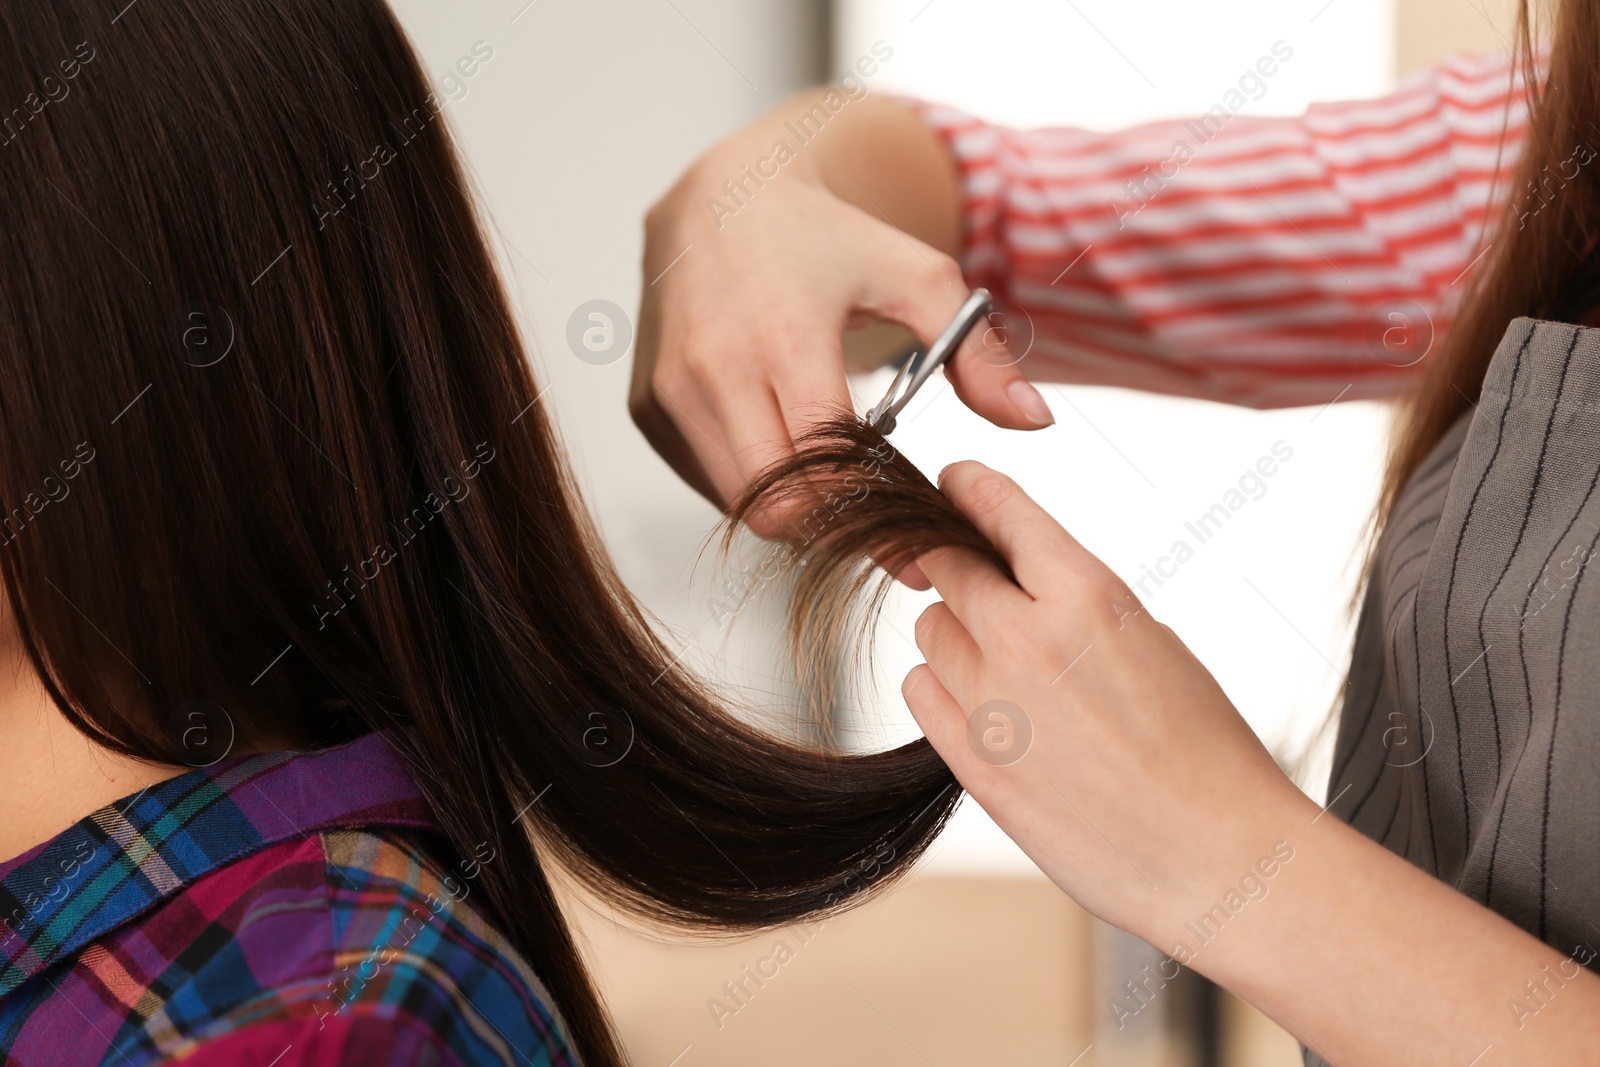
x=1267, y=262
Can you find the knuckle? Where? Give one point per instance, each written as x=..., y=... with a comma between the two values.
x=911, y=684
x=657, y=215
x=1092, y=588
x=925, y=286
x=667, y=379
x=1104, y=605
x=641, y=407
x=694, y=346
x=710, y=370
x=765, y=523
x=1106, y=587
x=940, y=269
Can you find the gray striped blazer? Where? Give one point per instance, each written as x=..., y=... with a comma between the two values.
x=1470, y=731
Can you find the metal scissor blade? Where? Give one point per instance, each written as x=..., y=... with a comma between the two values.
x=915, y=371
x=879, y=418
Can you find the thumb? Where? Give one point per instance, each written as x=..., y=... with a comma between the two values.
x=985, y=376
x=922, y=289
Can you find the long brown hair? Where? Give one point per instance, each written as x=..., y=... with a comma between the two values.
x=1538, y=257
x=269, y=440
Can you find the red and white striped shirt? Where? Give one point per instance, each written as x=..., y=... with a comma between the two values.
x=1269, y=262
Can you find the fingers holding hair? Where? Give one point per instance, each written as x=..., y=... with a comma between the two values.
x=938, y=713
x=948, y=648
x=1041, y=553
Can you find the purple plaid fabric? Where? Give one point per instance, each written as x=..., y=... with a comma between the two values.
x=275, y=910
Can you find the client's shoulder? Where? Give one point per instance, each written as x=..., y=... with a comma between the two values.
x=377, y=949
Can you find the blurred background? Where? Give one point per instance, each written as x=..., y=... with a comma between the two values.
x=585, y=113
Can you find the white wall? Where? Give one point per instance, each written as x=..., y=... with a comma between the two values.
x=587, y=112
x=1263, y=603
x=1105, y=64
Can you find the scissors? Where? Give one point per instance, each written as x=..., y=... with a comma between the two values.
x=917, y=369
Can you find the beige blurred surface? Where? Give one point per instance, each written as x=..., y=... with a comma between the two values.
x=946, y=970
x=1429, y=30
x=940, y=971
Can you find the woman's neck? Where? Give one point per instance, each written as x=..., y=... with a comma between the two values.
x=53, y=775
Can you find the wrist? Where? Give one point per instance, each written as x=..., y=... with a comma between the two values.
x=1324, y=870
x=1228, y=887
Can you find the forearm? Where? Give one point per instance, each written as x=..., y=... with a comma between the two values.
x=1371, y=961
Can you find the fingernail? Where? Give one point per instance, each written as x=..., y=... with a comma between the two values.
x=1030, y=403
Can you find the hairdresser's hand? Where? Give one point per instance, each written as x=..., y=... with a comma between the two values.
x=739, y=334
x=1143, y=794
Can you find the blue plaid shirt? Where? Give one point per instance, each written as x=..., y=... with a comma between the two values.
x=275, y=910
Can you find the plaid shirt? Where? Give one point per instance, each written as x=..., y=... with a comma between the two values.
x=273, y=910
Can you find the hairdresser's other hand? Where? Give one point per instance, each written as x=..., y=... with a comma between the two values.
x=739, y=333
x=1143, y=793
